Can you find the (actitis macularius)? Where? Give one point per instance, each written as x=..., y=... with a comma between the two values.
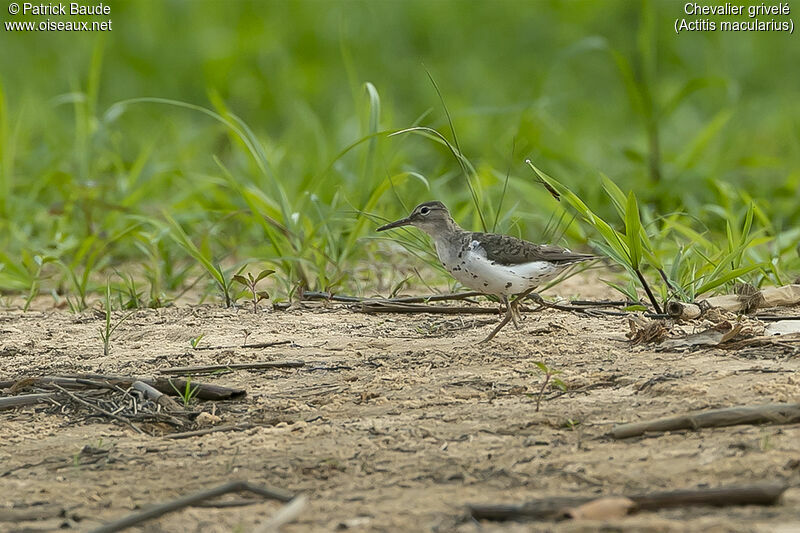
x=501, y=265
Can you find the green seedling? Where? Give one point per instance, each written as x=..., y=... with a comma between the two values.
x=108, y=330
x=250, y=283
x=161, y=268
x=129, y=295
x=35, y=265
x=188, y=393
x=195, y=341
x=549, y=374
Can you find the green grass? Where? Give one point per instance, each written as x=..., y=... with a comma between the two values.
x=110, y=327
x=278, y=135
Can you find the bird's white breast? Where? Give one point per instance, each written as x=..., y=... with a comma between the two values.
x=474, y=270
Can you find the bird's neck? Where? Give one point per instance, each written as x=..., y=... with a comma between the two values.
x=448, y=241
x=445, y=232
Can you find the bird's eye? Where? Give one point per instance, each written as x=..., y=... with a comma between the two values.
x=424, y=211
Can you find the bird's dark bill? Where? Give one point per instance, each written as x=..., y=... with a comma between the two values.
x=396, y=224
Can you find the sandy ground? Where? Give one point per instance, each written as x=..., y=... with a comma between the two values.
x=395, y=423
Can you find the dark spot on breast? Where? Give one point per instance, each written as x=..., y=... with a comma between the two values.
x=474, y=276
x=460, y=255
x=508, y=284
x=485, y=284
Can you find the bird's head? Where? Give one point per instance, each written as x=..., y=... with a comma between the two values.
x=431, y=217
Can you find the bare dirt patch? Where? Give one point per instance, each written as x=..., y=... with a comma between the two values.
x=395, y=422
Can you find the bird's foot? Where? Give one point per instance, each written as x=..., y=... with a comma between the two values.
x=518, y=300
x=515, y=316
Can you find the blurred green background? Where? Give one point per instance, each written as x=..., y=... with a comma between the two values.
x=699, y=124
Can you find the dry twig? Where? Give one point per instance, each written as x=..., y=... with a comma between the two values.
x=555, y=508
x=192, y=499
x=375, y=306
x=25, y=399
x=157, y=396
x=206, y=431
x=235, y=366
x=254, y=345
x=776, y=413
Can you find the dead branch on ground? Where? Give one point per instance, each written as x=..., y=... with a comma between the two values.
x=190, y=500
x=254, y=345
x=556, y=508
x=204, y=369
x=217, y=429
x=25, y=399
x=776, y=413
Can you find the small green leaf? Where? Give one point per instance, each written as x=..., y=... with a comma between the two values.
x=633, y=228
x=615, y=193
x=263, y=274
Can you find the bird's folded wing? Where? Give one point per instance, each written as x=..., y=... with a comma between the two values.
x=508, y=250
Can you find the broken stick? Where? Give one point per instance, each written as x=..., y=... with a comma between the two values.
x=311, y=295
x=766, y=494
x=192, y=499
x=684, y=311
x=375, y=306
x=206, y=431
x=234, y=366
x=157, y=396
x=256, y=345
x=25, y=399
x=554, y=508
x=777, y=413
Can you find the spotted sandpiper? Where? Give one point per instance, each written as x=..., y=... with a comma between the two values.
x=500, y=265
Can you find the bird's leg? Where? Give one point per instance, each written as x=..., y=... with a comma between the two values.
x=515, y=305
x=511, y=308
x=515, y=314
x=506, y=319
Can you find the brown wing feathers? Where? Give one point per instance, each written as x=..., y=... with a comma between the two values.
x=508, y=250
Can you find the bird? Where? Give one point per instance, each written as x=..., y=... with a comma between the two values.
x=490, y=263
